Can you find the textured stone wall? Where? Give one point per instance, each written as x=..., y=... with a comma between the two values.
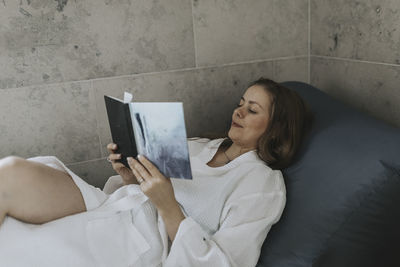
x=355, y=54
x=58, y=59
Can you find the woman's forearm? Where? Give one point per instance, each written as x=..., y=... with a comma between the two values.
x=172, y=218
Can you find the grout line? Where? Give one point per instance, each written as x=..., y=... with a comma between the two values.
x=258, y=60
x=200, y=68
x=194, y=36
x=357, y=60
x=309, y=41
x=160, y=72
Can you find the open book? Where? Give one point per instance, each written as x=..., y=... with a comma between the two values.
x=153, y=129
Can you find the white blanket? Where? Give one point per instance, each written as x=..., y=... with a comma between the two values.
x=117, y=233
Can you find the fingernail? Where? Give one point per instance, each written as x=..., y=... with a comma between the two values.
x=129, y=159
x=114, y=146
x=139, y=156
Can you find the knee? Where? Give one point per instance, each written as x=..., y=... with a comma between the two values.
x=10, y=161
x=10, y=164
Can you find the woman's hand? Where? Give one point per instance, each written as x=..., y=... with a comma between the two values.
x=127, y=176
x=154, y=185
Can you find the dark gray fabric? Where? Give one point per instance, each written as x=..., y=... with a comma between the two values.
x=343, y=192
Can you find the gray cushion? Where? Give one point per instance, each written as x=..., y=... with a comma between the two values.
x=343, y=192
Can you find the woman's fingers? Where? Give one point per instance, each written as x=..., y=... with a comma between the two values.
x=149, y=166
x=114, y=156
x=111, y=147
x=118, y=165
x=135, y=165
x=135, y=172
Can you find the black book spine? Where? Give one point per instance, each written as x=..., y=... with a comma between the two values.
x=131, y=134
x=122, y=132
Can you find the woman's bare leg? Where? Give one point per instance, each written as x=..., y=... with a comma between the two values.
x=36, y=193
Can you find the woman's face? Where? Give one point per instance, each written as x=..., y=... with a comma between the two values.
x=250, y=119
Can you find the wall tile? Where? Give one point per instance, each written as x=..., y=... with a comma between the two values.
x=54, y=41
x=95, y=172
x=292, y=69
x=365, y=30
x=235, y=31
x=56, y=119
x=209, y=95
x=373, y=88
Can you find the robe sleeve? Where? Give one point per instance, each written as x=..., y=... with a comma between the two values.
x=244, y=226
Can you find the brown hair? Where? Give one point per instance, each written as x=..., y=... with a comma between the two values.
x=290, y=120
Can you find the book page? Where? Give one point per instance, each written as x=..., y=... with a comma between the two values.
x=128, y=97
x=160, y=135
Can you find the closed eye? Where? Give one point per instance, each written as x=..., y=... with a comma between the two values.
x=251, y=111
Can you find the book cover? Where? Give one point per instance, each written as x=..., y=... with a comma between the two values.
x=153, y=129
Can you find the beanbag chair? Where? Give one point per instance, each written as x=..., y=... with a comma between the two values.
x=343, y=192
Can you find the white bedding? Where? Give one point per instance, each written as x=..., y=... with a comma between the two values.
x=85, y=239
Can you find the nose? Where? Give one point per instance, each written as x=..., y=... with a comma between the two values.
x=239, y=112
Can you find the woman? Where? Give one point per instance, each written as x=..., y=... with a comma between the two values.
x=142, y=218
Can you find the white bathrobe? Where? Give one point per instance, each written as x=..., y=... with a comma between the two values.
x=229, y=211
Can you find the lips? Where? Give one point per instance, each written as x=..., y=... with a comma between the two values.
x=234, y=124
